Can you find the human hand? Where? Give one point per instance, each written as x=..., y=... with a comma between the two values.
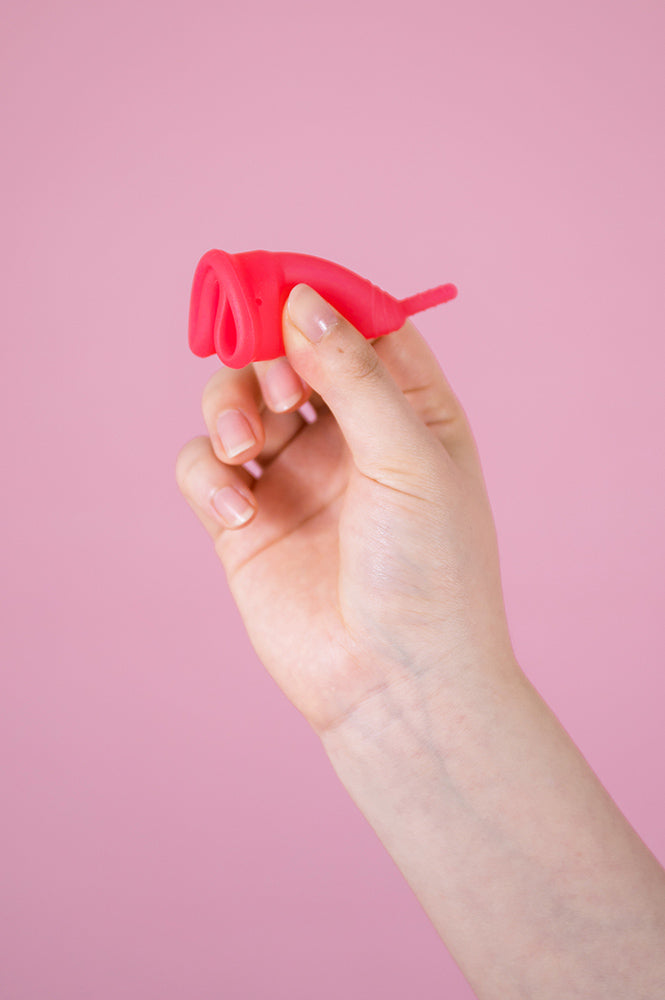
x=366, y=571
x=364, y=560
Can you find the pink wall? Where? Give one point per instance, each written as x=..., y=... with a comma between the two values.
x=171, y=827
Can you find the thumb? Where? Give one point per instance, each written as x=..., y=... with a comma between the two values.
x=388, y=440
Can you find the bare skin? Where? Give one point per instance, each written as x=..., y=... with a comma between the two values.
x=366, y=570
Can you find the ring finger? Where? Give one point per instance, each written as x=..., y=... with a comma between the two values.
x=219, y=495
x=240, y=425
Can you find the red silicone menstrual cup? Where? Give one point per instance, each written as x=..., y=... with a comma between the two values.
x=237, y=302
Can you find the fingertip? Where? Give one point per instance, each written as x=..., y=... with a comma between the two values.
x=311, y=315
x=282, y=387
x=234, y=505
x=308, y=412
x=299, y=290
x=238, y=436
x=221, y=497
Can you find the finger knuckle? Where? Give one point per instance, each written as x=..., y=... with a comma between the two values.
x=364, y=365
x=188, y=457
x=210, y=397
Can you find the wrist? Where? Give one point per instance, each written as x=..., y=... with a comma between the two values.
x=412, y=727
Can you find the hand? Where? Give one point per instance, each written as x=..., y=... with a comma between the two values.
x=365, y=567
x=364, y=560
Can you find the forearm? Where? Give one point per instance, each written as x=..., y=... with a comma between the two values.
x=527, y=869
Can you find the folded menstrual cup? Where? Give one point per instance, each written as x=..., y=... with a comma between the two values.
x=237, y=302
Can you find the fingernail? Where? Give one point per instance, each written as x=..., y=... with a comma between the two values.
x=233, y=508
x=281, y=385
x=313, y=316
x=234, y=432
x=308, y=413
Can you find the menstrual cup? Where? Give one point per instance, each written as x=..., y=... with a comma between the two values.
x=237, y=302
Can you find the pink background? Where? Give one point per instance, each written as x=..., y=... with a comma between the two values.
x=170, y=825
